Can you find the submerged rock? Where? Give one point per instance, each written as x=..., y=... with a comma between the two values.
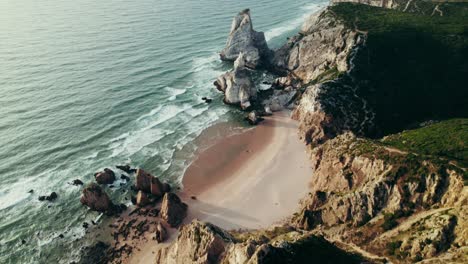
x=173, y=210
x=243, y=39
x=237, y=85
x=105, y=177
x=95, y=198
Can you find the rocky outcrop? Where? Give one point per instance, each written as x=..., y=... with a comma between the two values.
x=205, y=243
x=322, y=45
x=95, y=198
x=237, y=85
x=355, y=179
x=173, y=210
x=201, y=243
x=105, y=177
x=150, y=184
x=243, y=39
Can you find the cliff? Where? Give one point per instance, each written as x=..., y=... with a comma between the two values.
x=388, y=183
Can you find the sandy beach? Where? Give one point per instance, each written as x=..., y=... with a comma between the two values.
x=243, y=181
x=250, y=180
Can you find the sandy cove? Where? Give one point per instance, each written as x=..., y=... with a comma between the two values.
x=250, y=180
x=244, y=181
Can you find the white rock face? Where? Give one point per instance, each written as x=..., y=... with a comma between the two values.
x=243, y=39
x=237, y=85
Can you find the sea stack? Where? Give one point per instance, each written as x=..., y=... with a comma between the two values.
x=243, y=39
x=237, y=85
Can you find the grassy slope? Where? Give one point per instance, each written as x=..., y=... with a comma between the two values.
x=415, y=66
x=447, y=139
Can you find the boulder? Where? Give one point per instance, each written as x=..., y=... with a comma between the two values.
x=237, y=85
x=161, y=233
x=166, y=187
x=95, y=198
x=77, y=182
x=243, y=39
x=105, y=177
x=254, y=118
x=173, y=210
x=142, y=199
x=143, y=181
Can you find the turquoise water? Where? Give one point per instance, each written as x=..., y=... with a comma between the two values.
x=90, y=84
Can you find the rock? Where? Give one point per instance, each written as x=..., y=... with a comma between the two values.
x=77, y=182
x=198, y=242
x=193, y=197
x=124, y=177
x=161, y=233
x=207, y=100
x=253, y=118
x=324, y=43
x=126, y=168
x=95, y=198
x=143, y=181
x=166, y=187
x=156, y=187
x=49, y=198
x=142, y=199
x=85, y=225
x=173, y=210
x=31, y=191
x=237, y=85
x=105, y=177
x=281, y=99
x=243, y=39
x=97, y=253
x=52, y=196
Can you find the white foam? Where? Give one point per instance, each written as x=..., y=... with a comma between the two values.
x=174, y=92
x=295, y=23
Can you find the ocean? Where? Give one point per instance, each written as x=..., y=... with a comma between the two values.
x=86, y=85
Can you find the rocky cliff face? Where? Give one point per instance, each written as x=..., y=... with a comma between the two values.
x=322, y=46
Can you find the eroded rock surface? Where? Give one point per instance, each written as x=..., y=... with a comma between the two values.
x=243, y=39
x=173, y=210
x=95, y=198
x=237, y=85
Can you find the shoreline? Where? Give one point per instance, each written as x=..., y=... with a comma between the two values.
x=239, y=182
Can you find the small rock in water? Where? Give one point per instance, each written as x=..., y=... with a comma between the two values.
x=61, y=236
x=31, y=191
x=77, y=182
x=207, y=100
x=49, y=198
x=85, y=225
x=126, y=168
x=23, y=241
x=124, y=177
x=105, y=177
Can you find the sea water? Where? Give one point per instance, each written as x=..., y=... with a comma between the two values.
x=90, y=84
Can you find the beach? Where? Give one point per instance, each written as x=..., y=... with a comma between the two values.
x=249, y=180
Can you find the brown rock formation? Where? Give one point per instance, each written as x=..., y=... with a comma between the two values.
x=105, y=177
x=173, y=210
x=95, y=198
x=161, y=233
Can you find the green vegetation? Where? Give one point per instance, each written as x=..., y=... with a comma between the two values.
x=330, y=74
x=413, y=66
x=262, y=235
x=393, y=246
x=446, y=139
